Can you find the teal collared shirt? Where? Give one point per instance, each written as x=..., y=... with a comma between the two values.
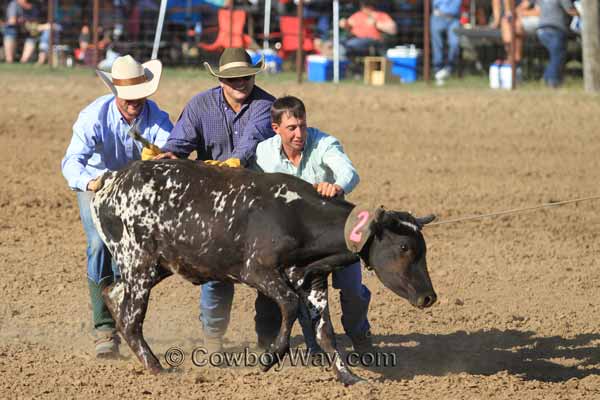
x=323, y=160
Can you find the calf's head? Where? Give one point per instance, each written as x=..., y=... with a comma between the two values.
x=396, y=251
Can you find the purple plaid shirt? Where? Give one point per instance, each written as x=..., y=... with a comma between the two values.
x=209, y=126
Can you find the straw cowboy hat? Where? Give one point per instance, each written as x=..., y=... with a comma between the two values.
x=235, y=63
x=130, y=80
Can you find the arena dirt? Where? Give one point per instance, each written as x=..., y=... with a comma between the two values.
x=518, y=296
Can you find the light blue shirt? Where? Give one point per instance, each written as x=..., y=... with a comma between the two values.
x=448, y=7
x=100, y=141
x=323, y=160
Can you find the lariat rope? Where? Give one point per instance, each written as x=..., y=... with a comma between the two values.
x=513, y=211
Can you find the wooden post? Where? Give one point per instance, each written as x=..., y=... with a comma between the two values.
x=95, y=15
x=51, y=33
x=299, y=63
x=513, y=48
x=426, y=42
x=231, y=23
x=591, y=46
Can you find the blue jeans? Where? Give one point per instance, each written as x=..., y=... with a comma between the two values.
x=361, y=46
x=554, y=40
x=216, y=299
x=354, y=299
x=100, y=265
x=441, y=26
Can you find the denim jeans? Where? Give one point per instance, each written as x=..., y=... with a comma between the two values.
x=441, y=26
x=362, y=46
x=216, y=299
x=554, y=40
x=354, y=299
x=100, y=265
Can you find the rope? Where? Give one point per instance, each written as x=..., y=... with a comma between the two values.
x=513, y=211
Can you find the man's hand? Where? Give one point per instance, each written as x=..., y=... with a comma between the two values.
x=230, y=162
x=328, y=190
x=148, y=153
x=168, y=155
x=94, y=185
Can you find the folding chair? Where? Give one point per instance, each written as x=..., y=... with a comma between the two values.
x=289, y=26
x=230, y=32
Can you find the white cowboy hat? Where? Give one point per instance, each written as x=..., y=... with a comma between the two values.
x=130, y=80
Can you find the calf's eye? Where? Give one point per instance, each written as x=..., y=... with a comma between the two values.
x=404, y=247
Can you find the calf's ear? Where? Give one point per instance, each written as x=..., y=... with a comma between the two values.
x=422, y=221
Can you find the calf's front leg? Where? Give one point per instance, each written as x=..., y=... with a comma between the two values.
x=318, y=305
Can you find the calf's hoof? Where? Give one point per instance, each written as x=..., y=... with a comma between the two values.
x=155, y=369
x=348, y=378
x=270, y=358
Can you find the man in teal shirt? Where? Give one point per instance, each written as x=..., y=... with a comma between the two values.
x=317, y=158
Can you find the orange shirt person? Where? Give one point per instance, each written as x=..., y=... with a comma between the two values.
x=367, y=27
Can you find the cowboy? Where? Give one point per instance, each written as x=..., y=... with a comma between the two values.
x=224, y=125
x=101, y=142
x=319, y=159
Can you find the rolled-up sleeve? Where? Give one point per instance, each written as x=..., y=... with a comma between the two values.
x=184, y=137
x=339, y=163
x=80, y=150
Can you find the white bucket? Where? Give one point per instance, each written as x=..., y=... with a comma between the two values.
x=495, y=76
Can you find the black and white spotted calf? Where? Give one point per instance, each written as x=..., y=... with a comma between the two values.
x=272, y=232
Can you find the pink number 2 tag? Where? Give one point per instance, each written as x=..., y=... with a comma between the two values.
x=356, y=234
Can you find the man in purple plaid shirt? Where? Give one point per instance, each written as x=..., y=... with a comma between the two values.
x=224, y=125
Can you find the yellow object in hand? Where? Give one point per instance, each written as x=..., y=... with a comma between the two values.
x=230, y=162
x=148, y=153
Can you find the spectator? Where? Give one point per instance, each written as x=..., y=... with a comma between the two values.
x=526, y=23
x=367, y=27
x=445, y=18
x=554, y=25
x=322, y=11
x=21, y=18
x=44, y=45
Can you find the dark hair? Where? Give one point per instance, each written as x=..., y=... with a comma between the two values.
x=368, y=3
x=289, y=105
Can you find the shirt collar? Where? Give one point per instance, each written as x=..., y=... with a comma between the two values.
x=223, y=103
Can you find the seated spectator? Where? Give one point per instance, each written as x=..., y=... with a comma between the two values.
x=21, y=18
x=367, y=27
x=322, y=11
x=84, y=43
x=554, y=25
x=44, y=45
x=526, y=23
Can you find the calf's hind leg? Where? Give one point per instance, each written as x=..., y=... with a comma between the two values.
x=274, y=286
x=127, y=301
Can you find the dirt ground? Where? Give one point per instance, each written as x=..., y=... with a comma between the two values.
x=518, y=295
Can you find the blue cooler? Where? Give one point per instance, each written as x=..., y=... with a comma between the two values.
x=273, y=63
x=405, y=60
x=320, y=68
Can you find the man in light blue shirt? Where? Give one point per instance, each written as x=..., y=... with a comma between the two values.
x=101, y=143
x=317, y=158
